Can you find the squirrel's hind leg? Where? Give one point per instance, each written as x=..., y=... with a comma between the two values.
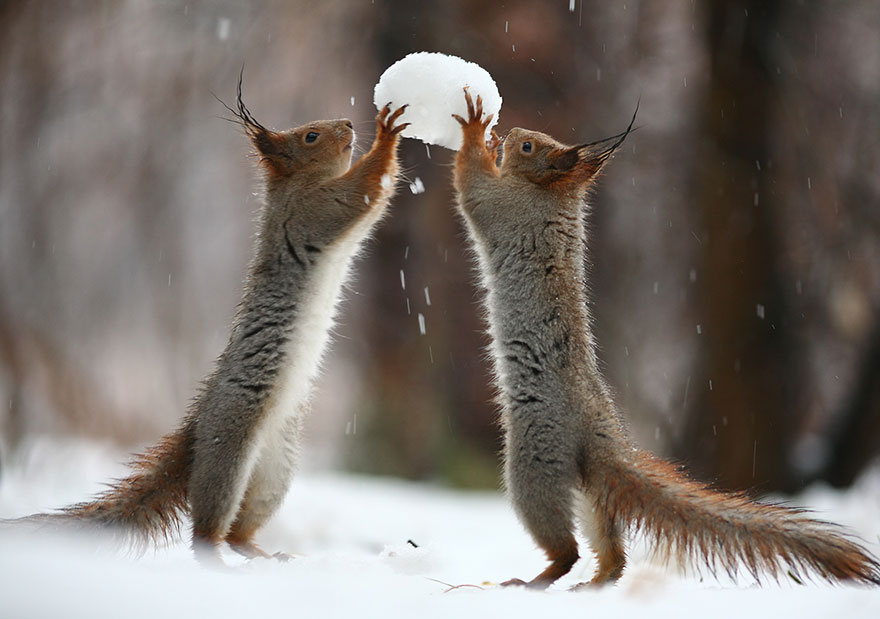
x=216, y=489
x=266, y=490
x=606, y=540
x=562, y=558
x=544, y=505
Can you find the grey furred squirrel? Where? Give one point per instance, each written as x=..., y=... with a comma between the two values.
x=568, y=458
x=230, y=463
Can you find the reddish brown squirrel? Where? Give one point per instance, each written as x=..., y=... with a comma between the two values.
x=568, y=458
x=230, y=463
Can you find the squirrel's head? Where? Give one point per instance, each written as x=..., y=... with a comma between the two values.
x=542, y=160
x=322, y=148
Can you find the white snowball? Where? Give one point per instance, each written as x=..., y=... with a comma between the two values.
x=432, y=84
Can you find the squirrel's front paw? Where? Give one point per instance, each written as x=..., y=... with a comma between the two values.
x=475, y=113
x=385, y=123
x=474, y=127
x=493, y=142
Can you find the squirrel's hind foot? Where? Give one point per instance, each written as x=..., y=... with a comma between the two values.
x=536, y=584
x=250, y=550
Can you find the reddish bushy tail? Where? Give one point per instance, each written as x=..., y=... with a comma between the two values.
x=696, y=525
x=142, y=509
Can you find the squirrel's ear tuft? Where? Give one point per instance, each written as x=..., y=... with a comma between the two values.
x=565, y=160
x=594, y=155
x=269, y=145
x=578, y=164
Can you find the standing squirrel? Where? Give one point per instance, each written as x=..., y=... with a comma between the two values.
x=567, y=454
x=230, y=463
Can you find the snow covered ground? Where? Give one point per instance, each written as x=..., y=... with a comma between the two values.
x=350, y=537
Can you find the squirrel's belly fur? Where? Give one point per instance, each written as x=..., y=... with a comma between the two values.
x=304, y=353
x=307, y=343
x=273, y=452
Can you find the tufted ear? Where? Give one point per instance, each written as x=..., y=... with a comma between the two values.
x=591, y=157
x=269, y=144
x=565, y=160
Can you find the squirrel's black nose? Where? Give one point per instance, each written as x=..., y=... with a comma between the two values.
x=348, y=124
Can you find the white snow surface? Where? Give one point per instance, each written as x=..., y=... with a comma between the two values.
x=432, y=84
x=349, y=536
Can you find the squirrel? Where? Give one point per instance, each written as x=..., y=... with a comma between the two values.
x=568, y=458
x=230, y=463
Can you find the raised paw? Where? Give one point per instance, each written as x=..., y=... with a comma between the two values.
x=493, y=142
x=385, y=121
x=475, y=113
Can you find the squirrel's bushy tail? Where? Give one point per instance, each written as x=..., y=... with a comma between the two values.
x=697, y=525
x=142, y=509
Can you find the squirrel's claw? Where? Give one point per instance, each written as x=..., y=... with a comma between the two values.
x=383, y=113
x=494, y=141
x=397, y=113
x=385, y=123
x=470, y=103
x=475, y=126
x=475, y=111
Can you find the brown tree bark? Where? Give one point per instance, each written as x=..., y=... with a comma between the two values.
x=739, y=429
x=856, y=439
x=432, y=412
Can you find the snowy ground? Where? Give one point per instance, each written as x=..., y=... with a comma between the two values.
x=349, y=535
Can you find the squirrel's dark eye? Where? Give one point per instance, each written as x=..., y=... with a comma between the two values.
x=527, y=147
x=311, y=136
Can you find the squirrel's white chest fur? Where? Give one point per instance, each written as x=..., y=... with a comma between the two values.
x=308, y=338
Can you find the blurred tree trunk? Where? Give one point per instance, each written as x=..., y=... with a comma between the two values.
x=857, y=437
x=12, y=426
x=432, y=413
x=740, y=430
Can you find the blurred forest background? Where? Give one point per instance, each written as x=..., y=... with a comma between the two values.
x=735, y=240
